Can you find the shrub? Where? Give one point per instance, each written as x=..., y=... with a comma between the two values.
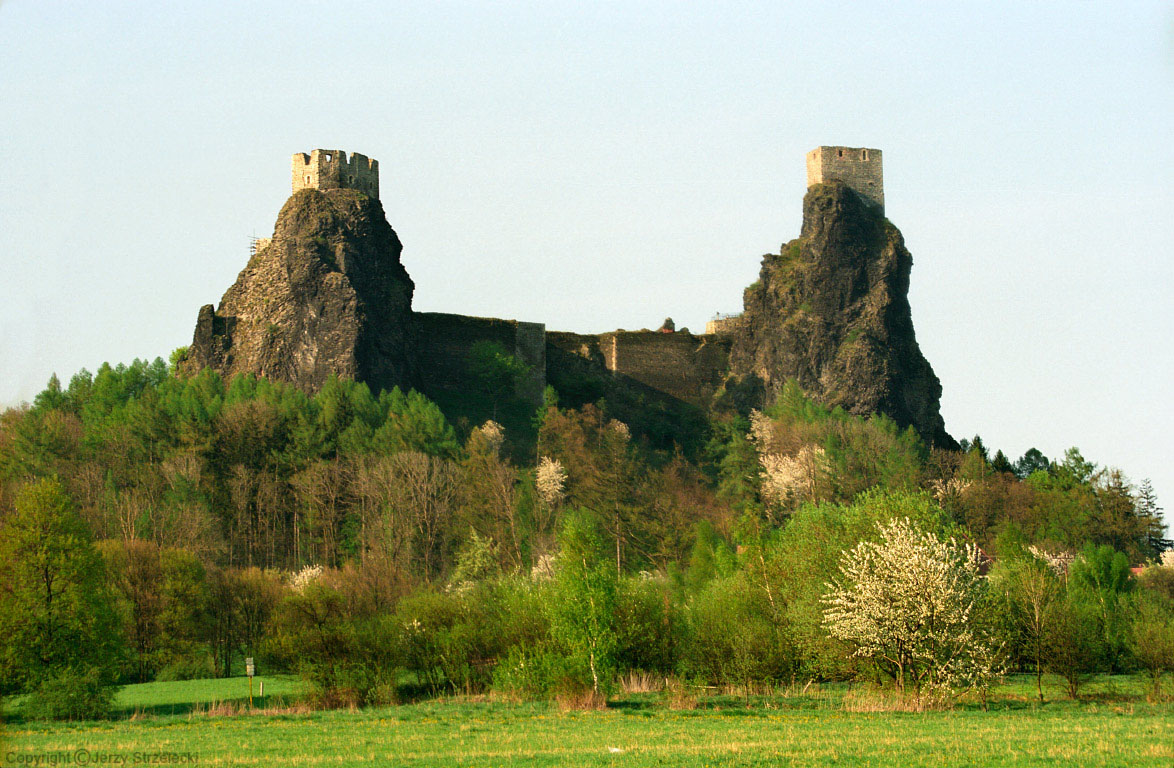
x=71, y=694
x=348, y=660
x=544, y=672
x=194, y=666
x=647, y=625
x=733, y=637
x=1152, y=639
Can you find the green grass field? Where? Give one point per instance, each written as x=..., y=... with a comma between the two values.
x=1114, y=725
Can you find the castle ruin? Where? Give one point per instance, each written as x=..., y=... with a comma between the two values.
x=318, y=326
x=858, y=167
x=330, y=169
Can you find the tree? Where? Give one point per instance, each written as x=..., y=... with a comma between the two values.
x=582, y=602
x=1099, y=579
x=1030, y=462
x=490, y=492
x=1030, y=592
x=136, y=573
x=1152, y=637
x=495, y=371
x=1073, y=645
x=55, y=608
x=908, y=602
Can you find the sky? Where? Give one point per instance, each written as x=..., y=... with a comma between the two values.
x=604, y=165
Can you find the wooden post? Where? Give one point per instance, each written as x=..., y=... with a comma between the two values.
x=249, y=669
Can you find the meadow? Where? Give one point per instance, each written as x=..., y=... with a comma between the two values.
x=1113, y=724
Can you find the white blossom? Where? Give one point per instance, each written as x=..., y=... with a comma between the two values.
x=949, y=489
x=907, y=602
x=494, y=435
x=620, y=429
x=544, y=569
x=787, y=477
x=1057, y=561
x=550, y=480
x=303, y=578
x=761, y=432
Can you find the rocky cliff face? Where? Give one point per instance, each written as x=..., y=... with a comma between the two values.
x=831, y=310
x=327, y=295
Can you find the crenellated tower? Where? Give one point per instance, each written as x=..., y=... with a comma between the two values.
x=331, y=169
x=858, y=167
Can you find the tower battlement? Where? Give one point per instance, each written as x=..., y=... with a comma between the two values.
x=858, y=167
x=331, y=169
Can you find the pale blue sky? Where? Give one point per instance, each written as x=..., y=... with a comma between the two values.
x=603, y=165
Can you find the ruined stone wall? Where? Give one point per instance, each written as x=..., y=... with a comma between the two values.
x=858, y=167
x=443, y=343
x=683, y=366
x=728, y=324
x=331, y=169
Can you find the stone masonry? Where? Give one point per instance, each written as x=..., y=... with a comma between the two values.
x=330, y=169
x=858, y=167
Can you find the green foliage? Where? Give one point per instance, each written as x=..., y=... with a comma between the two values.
x=496, y=371
x=647, y=625
x=71, y=694
x=736, y=636
x=348, y=659
x=1151, y=637
x=582, y=602
x=1099, y=581
x=55, y=608
x=1075, y=642
x=427, y=543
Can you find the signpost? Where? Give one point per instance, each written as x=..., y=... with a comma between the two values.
x=249, y=669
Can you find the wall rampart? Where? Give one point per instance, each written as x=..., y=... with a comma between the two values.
x=444, y=341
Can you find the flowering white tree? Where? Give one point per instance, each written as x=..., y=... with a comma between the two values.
x=1059, y=562
x=908, y=603
x=494, y=435
x=550, y=480
x=785, y=478
x=305, y=577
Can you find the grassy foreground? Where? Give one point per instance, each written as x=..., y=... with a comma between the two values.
x=1114, y=727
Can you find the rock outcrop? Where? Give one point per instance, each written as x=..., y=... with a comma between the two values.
x=327, y=294
x=831, y=311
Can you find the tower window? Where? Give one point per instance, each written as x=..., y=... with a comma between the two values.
x=328, y=158
x=864, y=154
x=841, y=153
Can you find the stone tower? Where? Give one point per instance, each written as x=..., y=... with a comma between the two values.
x=330, y=169
x=858, y=167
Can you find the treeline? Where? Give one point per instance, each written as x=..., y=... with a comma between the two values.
x=180, y=524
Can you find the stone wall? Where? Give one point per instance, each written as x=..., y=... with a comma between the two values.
x=443, y=343
x=858, y=167
x=683, y=366
x=331, y=169
x=723, y=324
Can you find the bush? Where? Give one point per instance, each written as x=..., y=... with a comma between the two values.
x=71, y=694
x=196, y=666
x=1152, y=640
x=647, y=625
x=733, y=638
x=541, y=673
x=348, y=660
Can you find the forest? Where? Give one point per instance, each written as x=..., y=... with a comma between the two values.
x=161, y=526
